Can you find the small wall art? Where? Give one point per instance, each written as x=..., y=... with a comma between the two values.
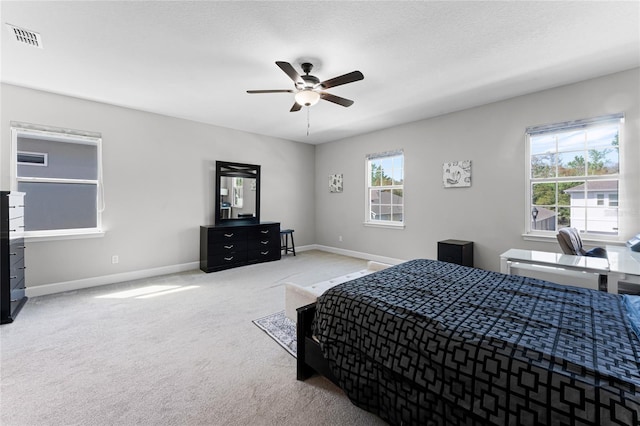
x=456, y=174
x=335, y=182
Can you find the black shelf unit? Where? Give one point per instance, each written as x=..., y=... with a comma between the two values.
x=12, y=280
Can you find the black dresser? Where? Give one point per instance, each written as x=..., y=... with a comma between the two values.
x=12, y=282
x=227, y=246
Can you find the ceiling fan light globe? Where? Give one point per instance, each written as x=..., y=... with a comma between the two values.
x=307, y=97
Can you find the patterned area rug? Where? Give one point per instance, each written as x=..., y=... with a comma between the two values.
x=281, y=329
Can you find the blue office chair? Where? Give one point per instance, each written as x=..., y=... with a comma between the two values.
x=571, y=243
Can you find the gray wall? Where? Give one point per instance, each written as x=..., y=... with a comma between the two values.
x=491, y=211
x=159, y=179
x=159, y=184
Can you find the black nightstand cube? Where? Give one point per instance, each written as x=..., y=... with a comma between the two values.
x=456, y=251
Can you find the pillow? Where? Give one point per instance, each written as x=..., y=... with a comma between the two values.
x=632, y=303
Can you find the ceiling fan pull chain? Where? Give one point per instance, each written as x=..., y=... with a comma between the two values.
x=308, y=108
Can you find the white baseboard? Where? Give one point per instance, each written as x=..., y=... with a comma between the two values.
x=45, y=289
x=351, y=253
x=60, y=287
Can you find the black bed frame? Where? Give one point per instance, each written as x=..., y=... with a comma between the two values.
x=310, y=358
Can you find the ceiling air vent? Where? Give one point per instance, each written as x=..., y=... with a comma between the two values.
x=29, y=37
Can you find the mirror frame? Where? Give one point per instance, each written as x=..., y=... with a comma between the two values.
x=229, y=169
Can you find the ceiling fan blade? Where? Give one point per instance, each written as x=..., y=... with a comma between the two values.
x=290, y=71
x=296, y=107
x=270, y=91
x=336, y=99
x=343, y=79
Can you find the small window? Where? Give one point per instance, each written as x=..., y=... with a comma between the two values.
x=385, y=189
x=600, y=198
x=613, y=200
x=32, y=158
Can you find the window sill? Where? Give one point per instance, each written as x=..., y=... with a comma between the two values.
x=553, y=239
x=384, y=225
x=76, y=234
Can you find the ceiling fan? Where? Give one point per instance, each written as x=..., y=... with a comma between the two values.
x=309, y=89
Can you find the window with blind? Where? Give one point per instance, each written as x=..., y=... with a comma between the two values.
x=573, y=176
x=59, y=171
x=385, y=189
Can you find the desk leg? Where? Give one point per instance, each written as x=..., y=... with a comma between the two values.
x=612, y=282
x=504, y=265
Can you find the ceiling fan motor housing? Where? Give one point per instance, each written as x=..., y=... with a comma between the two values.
x=310, y=81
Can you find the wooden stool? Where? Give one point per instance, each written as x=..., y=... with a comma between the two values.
x=284, y=241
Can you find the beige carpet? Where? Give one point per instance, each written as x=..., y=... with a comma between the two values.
x=173, y=350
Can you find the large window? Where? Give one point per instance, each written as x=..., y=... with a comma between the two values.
x=573, y=176
x=385, y=189
x=59, y=172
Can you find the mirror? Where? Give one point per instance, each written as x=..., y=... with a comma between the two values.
x=237, y=192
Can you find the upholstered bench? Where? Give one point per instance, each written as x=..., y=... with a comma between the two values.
x=296, y=296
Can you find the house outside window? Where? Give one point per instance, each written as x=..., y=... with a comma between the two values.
x=60, y=173
x=573, y=176
x=385, y=189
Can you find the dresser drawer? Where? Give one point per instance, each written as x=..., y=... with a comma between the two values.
x=16, y=225
x=16, y=251
x=17, y=295
x=222, y=259
x=265, y=254
x=16, y=201
x=264, y=231
x=268, y=242
x=233, y=234
x=17, y=282
x=16, y=212
x=16, y=273
x=230, y=246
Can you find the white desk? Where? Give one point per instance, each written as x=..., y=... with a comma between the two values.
x=622, y=266
x=559, y=268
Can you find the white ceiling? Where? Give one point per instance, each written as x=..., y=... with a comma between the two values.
x=195, y=60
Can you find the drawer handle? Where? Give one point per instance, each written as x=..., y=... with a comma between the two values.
x=13, y=254
x=229, y=247
x=228, y=258
x=13, y=277
x=264, y=253
x=266, y=231
x=229, y=235
x=264, y=242
x=23, y=267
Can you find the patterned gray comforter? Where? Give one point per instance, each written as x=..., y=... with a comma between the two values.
x=429, y=342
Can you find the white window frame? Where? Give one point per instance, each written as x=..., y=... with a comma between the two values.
x=533, y=234
x=66, y=136
x=368, y=221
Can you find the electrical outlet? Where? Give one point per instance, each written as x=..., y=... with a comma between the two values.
x=340, y=238
x=114, y=259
